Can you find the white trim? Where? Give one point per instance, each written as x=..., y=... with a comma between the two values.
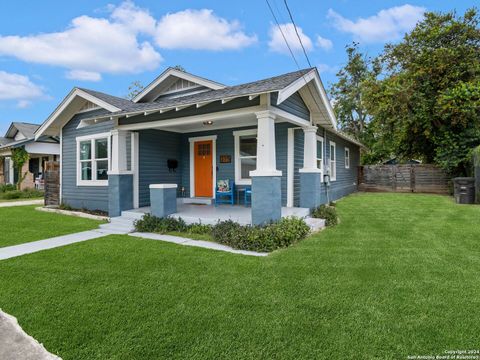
x=237, y=134
x=290, y=165
x=134, y=165
x=179, y=74
x=163, y=186
x=64, y=105
x=347, y=165
x=331, y=143
x=310, y=150
x=218, y=116
x=202, y=138
x=294, y=119
x=192, y=141
x=92, y=138
x=320, y=139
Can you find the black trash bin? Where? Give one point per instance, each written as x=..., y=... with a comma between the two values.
x=464, y=190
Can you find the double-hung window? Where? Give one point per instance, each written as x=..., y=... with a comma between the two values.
x=320, y=153
x=333, y=161
x=93, y=154
x=347, y=158
x=245, y=155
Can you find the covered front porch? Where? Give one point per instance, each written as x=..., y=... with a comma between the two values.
x=211, y=215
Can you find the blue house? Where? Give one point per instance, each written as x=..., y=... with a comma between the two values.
x=183, y=135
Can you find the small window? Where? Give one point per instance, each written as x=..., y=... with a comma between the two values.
x=245, y=155
x=93, y=160
x=333, y=161
x=320, y=153
x=347, y=158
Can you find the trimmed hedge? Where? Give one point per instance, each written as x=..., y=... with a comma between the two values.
x=20, y=194
x=273, y=236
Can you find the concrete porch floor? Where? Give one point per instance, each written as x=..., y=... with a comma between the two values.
x=209, y=214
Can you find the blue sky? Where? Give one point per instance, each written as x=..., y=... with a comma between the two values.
x=48, y=47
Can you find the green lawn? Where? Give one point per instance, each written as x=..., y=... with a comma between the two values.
x=399, y=276
x=21, y=224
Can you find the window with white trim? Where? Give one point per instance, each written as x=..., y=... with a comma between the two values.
x=245, y=155
x=320, y=153
x=333, y=161
x=93, y=154
x=347, y=158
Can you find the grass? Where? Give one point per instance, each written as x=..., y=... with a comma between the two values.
x=21, y=224
x=397, y=277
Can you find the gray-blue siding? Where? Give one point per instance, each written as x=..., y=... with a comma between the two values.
x=294, y=105
x=346, y=180
x=89, y=197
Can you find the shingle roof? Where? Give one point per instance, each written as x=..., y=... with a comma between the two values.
x=27, y=129
x=4, y=141
x=256, y=87
x=112, y=100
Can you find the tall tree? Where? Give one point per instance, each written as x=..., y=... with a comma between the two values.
x=427, y=104
x=348, y=92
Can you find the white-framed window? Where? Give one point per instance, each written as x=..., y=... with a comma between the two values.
x=347, y=158
x=245, y=155
x=93, y=159
x=320, y=153
x=333, y=161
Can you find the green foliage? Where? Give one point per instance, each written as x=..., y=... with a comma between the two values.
x=13, y=193
x=7, y=187
x=277, y=235
x=329, y=213
x=281, y=234
x=20, y=157
x=427, y=103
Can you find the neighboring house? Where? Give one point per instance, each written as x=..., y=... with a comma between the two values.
x=45, y=148
x=277, y=135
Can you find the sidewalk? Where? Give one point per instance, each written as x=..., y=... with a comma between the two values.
x=21, y=203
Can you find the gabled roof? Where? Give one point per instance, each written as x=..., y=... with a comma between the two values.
x=73, y=102
x=165, y=79
x=4, y=141
x=26, y=129
x=272, y=84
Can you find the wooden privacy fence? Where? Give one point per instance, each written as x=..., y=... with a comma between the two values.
x=52, y=183
x=417, y=178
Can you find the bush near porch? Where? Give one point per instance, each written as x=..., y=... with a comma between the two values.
x=10, y=192
x=283, y=233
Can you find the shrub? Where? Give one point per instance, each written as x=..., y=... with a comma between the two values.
x=150, y=223
x=7, y=187
x=31, y=193
x=201, y=229
x=329, y=213
x=277, y=235
x=9, y=195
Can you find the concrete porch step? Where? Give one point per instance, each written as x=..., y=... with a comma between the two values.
x=196, y=200
x=132, y=215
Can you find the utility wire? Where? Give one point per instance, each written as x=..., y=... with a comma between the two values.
x=296, y=32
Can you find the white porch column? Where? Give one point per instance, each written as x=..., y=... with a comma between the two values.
x=266, y=159
x=119, y=152
x=310, y=150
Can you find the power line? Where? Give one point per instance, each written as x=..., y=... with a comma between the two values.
x=296, y=32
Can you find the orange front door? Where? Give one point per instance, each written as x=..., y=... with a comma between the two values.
x=203, y=165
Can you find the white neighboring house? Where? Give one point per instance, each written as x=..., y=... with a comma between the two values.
x=46, y=148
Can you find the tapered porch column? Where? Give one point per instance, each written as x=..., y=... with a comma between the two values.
x=266, y=189
x=120, y=179
x=310, y=174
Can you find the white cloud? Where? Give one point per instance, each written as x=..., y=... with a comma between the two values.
x=133, y=17
x=18, y=88
x=83, y=75
x=200, y=30
x=387, y=25
x=277, y=42
x=323, y=43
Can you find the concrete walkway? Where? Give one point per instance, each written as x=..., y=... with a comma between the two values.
x=21, y=203
x=16, y=344
x=197, y=243
x=34, y=246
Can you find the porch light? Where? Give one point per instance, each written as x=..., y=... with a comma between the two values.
x=209, y=122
